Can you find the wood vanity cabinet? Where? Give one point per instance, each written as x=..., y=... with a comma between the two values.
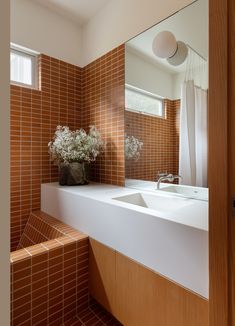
x=137, y=296
x=102, y=274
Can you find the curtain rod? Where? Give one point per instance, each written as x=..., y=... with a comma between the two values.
x=196, y=52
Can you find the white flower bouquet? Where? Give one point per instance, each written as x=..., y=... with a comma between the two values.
x=75, y=146
x=71, y=150
x=133, y=147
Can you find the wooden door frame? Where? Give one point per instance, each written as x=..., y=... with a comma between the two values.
x=221, y=162
x=231, y=158
x=218, y=165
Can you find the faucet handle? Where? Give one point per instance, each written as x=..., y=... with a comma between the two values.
x=176, y=176
x=170, y=177
x=162, y=174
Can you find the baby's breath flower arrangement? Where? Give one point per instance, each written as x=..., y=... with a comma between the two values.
x=75, y=146
x=70, y=150
x=133, y=147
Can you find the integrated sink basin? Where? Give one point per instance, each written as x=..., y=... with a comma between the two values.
x=177, y=209
x=187, y=191
x=158, y=203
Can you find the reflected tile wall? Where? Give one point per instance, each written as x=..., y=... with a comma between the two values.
x=160, y=137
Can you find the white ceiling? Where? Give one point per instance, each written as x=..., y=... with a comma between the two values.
x=189, y=25
x=79, y=11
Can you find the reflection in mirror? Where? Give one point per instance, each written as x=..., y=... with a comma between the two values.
x=166, y=102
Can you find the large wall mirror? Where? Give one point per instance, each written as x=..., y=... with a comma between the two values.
x=166, y=101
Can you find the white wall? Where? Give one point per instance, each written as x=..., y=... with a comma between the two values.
x=121, y=20
x=40, y=29
x=5, y=163
x=142, y=74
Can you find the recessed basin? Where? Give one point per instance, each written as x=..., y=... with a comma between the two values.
x=158, y=203
x=191, y=192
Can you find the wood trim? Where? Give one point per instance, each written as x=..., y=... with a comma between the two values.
x=231, y=158
x=138, y=296
x=218, y=162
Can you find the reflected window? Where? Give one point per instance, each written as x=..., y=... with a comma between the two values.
x=144, y=102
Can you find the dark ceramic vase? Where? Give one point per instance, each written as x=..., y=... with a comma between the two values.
x=72, y=174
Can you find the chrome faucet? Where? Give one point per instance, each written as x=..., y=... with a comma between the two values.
x=169, y=177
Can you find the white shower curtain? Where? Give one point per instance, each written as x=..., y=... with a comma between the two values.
x=193, y=135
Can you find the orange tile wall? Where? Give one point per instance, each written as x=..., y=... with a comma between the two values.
x=49, y=281
x=160, y=137
x=39, y=228
x=34, y=117
x=68, y=95
x=103, y=105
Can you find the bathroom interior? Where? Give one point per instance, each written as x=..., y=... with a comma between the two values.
x=120, y=235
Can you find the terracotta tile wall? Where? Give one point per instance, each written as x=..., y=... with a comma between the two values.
x=34, y=117
x=160, y=152
x=38, y=229
x=49, y=281
x=103, y=105
x=95, y=315
x=72, y=96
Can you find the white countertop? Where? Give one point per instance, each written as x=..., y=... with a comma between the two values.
x=194, y=214
x=172, y=243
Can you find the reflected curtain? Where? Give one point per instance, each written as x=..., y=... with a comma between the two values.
x=193, y=151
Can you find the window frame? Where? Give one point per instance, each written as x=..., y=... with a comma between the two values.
x=33, y=55
x=149, y=94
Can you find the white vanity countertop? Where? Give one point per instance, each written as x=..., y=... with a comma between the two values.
x=193, y=214
x=173, y=241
